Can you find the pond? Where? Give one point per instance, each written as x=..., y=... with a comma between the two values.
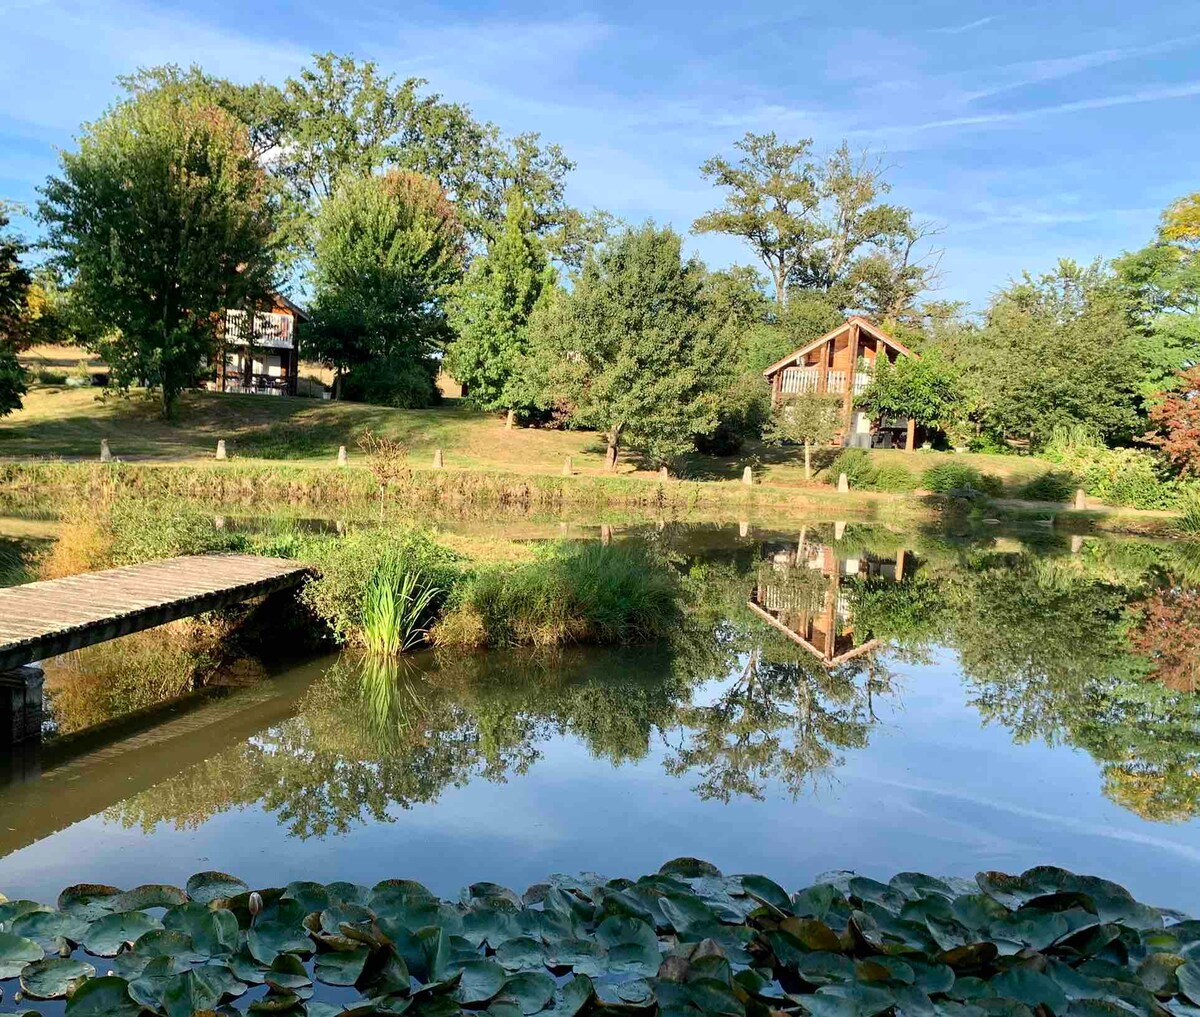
x=841, y=697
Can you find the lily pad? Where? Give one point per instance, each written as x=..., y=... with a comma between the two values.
x=103, y=997
x=109, y=934
x=16, y=952
x=267, y=940
x=341, y=967
x=206, y=887
x=54, y=977
x=149, y=895
x=481, y=980
x=46, y=926
x=88, y=901
x=213, y=932
x=531, y=991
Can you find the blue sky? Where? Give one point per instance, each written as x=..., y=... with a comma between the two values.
x=1029, y=130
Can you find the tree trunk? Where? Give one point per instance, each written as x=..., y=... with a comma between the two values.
x=808, y=460
x=614, y=448
x=511, y=419
x=337, y=384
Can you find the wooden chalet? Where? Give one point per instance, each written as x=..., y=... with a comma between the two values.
x=258, y=351
x=842, y=362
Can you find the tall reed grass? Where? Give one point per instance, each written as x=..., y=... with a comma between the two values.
x=398, y=605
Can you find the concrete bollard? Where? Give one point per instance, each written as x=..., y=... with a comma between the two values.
x=605, y=534
x=105, y=454
x=221, y=449
x=843, y=484
x=748, y=476
x=343, y=459
x=1080, y=499
x=567, y=469
x=839, y=529
x=1076, y=543
x=438, y=462
x=663, y=474
x=744, y=528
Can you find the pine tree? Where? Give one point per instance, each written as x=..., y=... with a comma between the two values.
x=491, y=313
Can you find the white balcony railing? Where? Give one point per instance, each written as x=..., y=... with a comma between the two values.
x=799, y=380
x=266, y=329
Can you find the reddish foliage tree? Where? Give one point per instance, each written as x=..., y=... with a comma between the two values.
x=1169, y=634
x=1177, y=423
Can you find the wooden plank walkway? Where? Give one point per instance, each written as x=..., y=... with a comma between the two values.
x=40, y=620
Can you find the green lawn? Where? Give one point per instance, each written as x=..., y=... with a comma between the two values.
x=69, y=423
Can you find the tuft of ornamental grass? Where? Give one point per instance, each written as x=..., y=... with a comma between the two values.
x=397, y=606
x=571, y=593
x=1189, y=513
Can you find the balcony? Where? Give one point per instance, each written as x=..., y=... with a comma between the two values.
x=800, y=380
x=262, y=329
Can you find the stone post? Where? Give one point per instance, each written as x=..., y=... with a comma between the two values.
x=663, y=474
x=843, y=484
x=221, y=449
x=343, y=459
x=743, y=528
x=1080, y=499
x=105, y=454
x=567, y=468
x=748, y=476
x=21, y=704
x=438, y=462
x=839, y=529
x=605, y=534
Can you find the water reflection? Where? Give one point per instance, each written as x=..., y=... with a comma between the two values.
x=787, y=671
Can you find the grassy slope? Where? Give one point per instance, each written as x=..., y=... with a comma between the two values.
x=71, y=422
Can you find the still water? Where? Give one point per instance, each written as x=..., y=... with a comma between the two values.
x=841, y=697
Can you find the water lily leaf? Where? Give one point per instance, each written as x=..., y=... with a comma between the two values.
x=103, y=997
x=167, y=943
x=932, y=978
x=275, y=1002
x=54, y=977
x=333, y=918
x=206, y=887
x=688, y=868
x=816, y=901
x=1189, y=980
x=481, y=980
x=43, y=927
x=13, y=909
x=973, y=955
x=347, y=893
x=917, y=886
x=246, y=968
x=884, y=969
x=688, y=916
x=580, y=955
x=16, y=952
x=1031, y=988
x=574, y=996
x=148, y=895
x=1096, y=1008
x=189, y=992
x=812, y=933
x=521, y=954
x=88, y=901
x=148, y=987
x=309, y=895
x=288, y=974
x=267, y=940
x=1032, y=927
x=109, y=934
x=530, y=990
x=825, y=968
x=848, y=1001
x=634, y=959
x=213, y=932
x=494, y=895
x=968, y=988
x=1157, y=973
x=767, y=892
x=341, y=967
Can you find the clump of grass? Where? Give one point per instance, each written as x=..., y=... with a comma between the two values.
x=1055, y=485
x=956, y=478
x=589, y=593
x=864, y=475
x=1189, y=512
x=397, y=607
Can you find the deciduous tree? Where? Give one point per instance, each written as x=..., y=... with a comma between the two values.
x=388, y=250
x=808, y=419
x=14, y=287
x=163, y=219
x=1176, y=422
x=630, y=349
x=926, y=390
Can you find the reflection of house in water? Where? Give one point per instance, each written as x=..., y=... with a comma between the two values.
x=801, y=593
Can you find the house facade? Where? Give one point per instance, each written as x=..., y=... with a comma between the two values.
x=842, y=362
x=257, y=350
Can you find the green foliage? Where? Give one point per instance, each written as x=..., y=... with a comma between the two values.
x=397, y=607
x=349, y=565
x=808, y=419
x=743, y=413
x=864, y=474
x=687, y=939
x=1055, y=350
x=403, y=382
x=629, y=348
x=951, y=478
x=1053, y=485
x=163, y=218
x=590, y=593
x=1118, y=476
x=1189, y=512
x=388, y=250
x=14, y=289
x=805, y=219
x=926, y=390
x=491, y=309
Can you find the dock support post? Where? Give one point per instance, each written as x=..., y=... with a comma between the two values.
x=21, y=704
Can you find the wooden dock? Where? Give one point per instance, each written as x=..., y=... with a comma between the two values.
x=41, y=620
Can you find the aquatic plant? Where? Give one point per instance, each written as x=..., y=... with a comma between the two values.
x=397, y=606
x=686, y=941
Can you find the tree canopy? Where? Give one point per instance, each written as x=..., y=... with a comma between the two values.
x=163, y=219
x=388, y=250
x=14, y=288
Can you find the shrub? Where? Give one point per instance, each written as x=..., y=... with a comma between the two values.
x=865, y=475
x=589, y=593
x=1054, y=485
x=1120, y=476
x=953, y=478
x=48, y=377
x=1189, y=516
x=392, y=382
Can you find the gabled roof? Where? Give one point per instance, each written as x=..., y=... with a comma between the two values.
x=291, y=305
x=872, y=330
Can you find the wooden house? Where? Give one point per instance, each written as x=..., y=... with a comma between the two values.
x=257, y=350
x=842, y=362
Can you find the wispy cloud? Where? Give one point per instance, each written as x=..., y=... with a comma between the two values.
x=970, y=26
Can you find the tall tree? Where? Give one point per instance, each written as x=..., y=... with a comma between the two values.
x=1176, y=422
x=163, y=219
x=1161, y=283
x=806, y=220
x=630, y=348
x=14, y=288
x=388, y=250
x=491, y=309
x=808, y=419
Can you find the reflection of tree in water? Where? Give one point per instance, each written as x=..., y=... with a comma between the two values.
x=370, y=737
